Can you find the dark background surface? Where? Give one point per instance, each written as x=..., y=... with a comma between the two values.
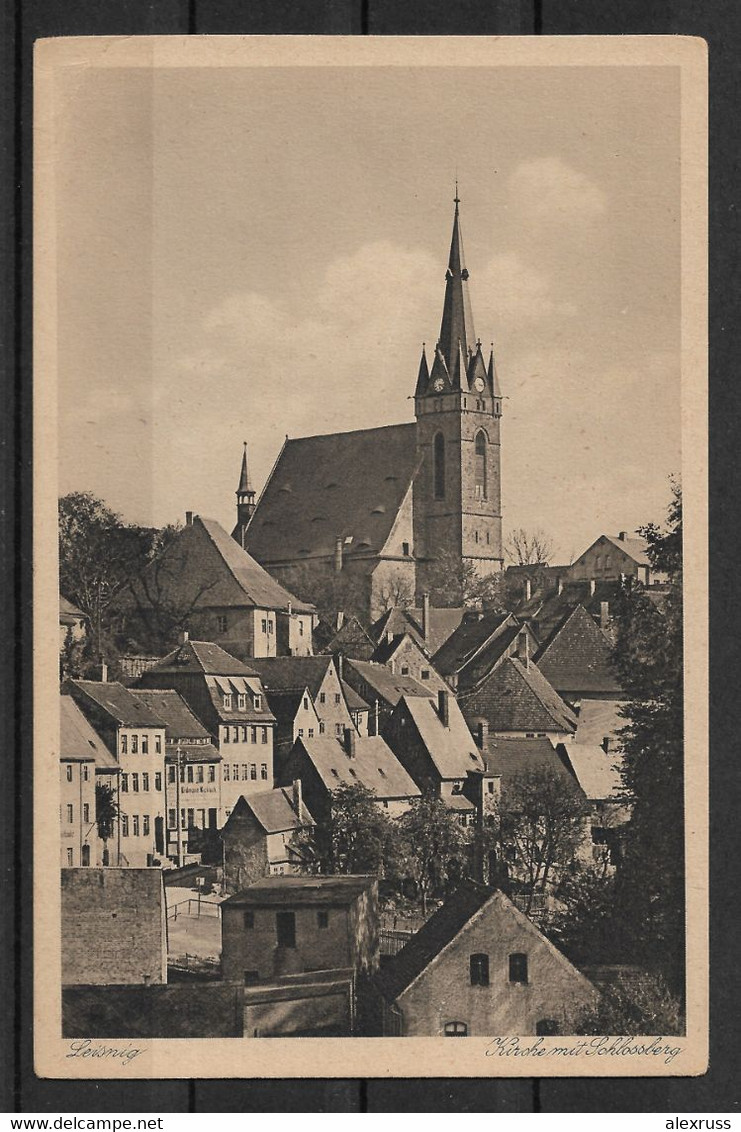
x=718, y=21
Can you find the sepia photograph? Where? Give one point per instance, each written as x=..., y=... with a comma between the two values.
x=370, y=531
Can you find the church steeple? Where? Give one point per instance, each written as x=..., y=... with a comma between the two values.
x=245, y=501
x=456, y=329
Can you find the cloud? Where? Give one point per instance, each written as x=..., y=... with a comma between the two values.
x=547, y=190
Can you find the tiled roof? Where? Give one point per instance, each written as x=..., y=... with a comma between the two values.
x=351, y=639
x=354, y=701
x=285, y=704
x=200, y=656
x=180, y=723
x=120, y=703
x=576, y=658
x=512, y=758
x=293, y=890
x=262, y=590
x=434, y=935
x=634, y=547
x=598, y=719
x=521, y=699
x=273, y=809
x=442, y=624
x=596, y=771
x=451, y=748
x=374, y=765
x=473, y=632
x=284, y=673
x=343, y=485
x=68, y=612
x=546, y=610
x=248, y=686
x=387, y=685
x=79, y=742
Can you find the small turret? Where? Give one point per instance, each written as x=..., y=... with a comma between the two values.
x=245, y=502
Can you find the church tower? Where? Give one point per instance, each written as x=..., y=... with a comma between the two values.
x=458, y=406
x=245, y=502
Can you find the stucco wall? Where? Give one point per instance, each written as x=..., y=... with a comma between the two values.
x=256, y=949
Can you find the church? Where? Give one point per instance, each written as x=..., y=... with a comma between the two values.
x=387, y=507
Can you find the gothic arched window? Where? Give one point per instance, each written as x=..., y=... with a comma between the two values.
x=480, y=466
x=438, y=451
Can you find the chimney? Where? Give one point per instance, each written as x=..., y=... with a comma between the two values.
x=350, y=737
x=103, y=672
x=426, y=617
x=528, y=589
x=604, y=614
x=623, y=535
x=338, y=556
x=340, y=619
x=443, y=707
x=340, y=663
x=523, y=648
x=482, y=733
x=559, y=585
x=189, y=518
x=183, y=637
x=289, y=609
x=296, y=796
x=375, y=714
x=592, y=586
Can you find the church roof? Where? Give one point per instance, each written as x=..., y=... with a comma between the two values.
x=347, y=485
x=456, y=330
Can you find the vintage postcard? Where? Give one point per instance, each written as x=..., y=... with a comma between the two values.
x=371, y=603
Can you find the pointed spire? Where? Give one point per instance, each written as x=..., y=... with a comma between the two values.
x=423, y=376
x=457, y=320
x=493, y=375
x=244, y=479
x=245, y=502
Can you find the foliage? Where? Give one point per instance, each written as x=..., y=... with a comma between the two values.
x=436, y=847
x=526, y=548
x=643, y=1005
x=453, y=582
x=106, y=812
x=584, y=924
x=358, y=838
x=332, y=593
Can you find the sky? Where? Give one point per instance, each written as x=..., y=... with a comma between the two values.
x=249, y=253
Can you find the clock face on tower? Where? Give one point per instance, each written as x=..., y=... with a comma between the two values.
x=438, y=384
x=478, y=384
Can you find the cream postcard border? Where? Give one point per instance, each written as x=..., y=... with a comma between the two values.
x=367, y=1057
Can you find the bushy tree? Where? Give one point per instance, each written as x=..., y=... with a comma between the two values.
x=358, y=837
x=106, y=814
x=453, y=582
x=436, y=847
x=639, y=1005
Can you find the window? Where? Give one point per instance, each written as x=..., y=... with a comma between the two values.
x=352, y=771
x=69, y=773
x=490, y=787
x=306, y=703
x=405, y=549
x=518, y=967
x=235, y=735
x=189, y=774
x=480, y=466
x=85, y=772
x=124, y=825
x=311, y=732
x=425, y=674
x=300, y=732
x=322, y=919
x=70, y=858
x=438, y=458
x=250, y=771
x=338, y=728
x=199, y=774
x=285, y=928
x=321, y=727
x=172, y=819
x=300, y=628
x=235, y=772
x=322, y=698
x=226, y=772
x=405, y=669
x=158, y=744
x=241, y=701
x=171, y=774
x=135, y=744
x=70, y=813
x=124, y=744
x=86, y=812
x=221, y=623
x=135, y=783
x=135, y=826
x=264, y=626
x=145, y=825
x=337, y=697
x=124, y=783
x=479, y=965
x=158, y=782
x=546, y=1027
x=263, y=734
x=145, y=744
x=456, y=1030
x=607, y=567
x=227, y=699
x=212, y=773
x=201, y=819
x=257, y=702
x=253, y=771
x=245, y=734
x=598, y=562
x=248, y=920
x=475, y=536
x=191, y=818
x=226, y=734
x=253, y=734
x=270, y=627
x=264, y=771
x=145, y=782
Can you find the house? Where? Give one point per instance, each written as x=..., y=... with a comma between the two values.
x=344, y=636
x=136, y=734
x=359, y=709
x=515, y=699
x=260, y=837
x=323, y=763
x=380, y=688
x=544, y=603
x=287, y=925
x=205, y=581
x=192, y=771
x=597, y=771
x=598, y=723
x=576, y=659
x=613, y=557
x=433, y=743
x=401, y=654
x=479, y=645
x=429, y=625
x=113, y=926
x=295, y=716
x=72, y=623
x=228, y=698
x=478, y=967
x=317, y=673
x=383, y=506
x=81, y=753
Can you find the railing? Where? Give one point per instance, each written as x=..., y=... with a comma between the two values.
x=392, y=941
x=183, y=907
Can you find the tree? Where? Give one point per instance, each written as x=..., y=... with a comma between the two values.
x=436, y=846
x=397, y=592
x=542, y=826
x=649, y=661
x=641, y=1005
x=358, y=837
x=529, y=548
x=585, y=924
x=453, y=581
x=106, y=814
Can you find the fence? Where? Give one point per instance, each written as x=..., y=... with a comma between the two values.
x=202, y=906
x=392, y=941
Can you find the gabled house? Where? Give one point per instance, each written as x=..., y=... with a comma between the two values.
x=204, y=580
x=515, y=699
x=295, y=716
x=359, y=709
x=82, y=757
x=401, y=654
x=322, y=764
x=482, y=641
x=192, y=772
x=433, y=743
x=137, y=736
x=576, y=659
x=598, y=773
x=479, y=967
x=317, y=673
x=346, y=636
x=261, y=837
x=614, y=557
x=430, y=626
x=380, y=688
x=228, y=698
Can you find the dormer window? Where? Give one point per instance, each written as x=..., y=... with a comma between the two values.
x=227, y=701
x=257, y=702
x=241, y=701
